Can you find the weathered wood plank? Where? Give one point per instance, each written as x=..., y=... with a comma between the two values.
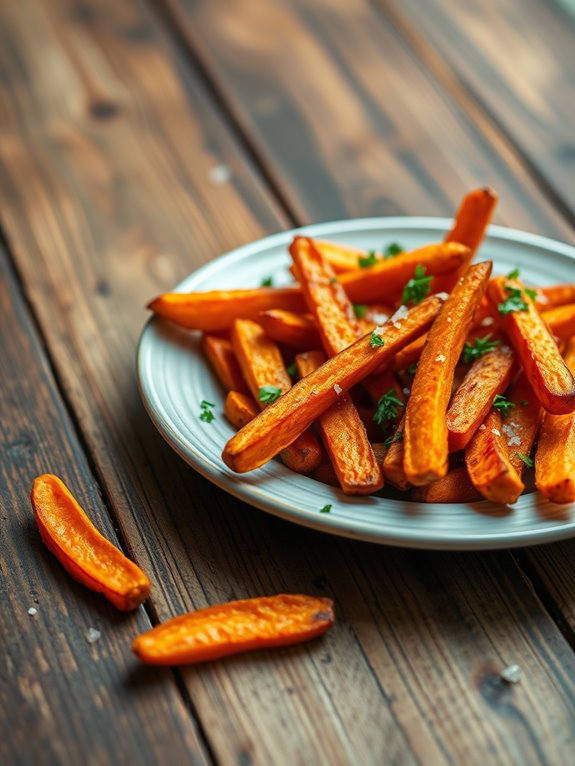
x=65, y=700
x=347, y=118
x=516, y=60
x=105, y=206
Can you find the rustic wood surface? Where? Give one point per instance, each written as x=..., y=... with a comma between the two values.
x=137, y=142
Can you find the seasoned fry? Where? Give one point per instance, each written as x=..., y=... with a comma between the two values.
x=345, y=438
x=217, y=309
x=555, y=295
x=220, y=355
x=393, y=471
x=488, y=376
x=341, y=258
x=298, y=331
x=561, y=320
x=280, y=423
x=240, y=408
x=555, y=456
x=454, y=487
x=425, y=422
x=387, y=278
x=488, y=463
x=262, y=366
x=380, y=383
x=409, y=355
x=520, y=427
x=537, y=351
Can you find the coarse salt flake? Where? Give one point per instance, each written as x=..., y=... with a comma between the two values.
x=378, y=330
x=220, y=174
x=338, y=389
x=482, y=427
x=496, y=431
x=400, y=314
x=514, y=441
x=406, y=391
x=440, y=358
x=442, y=296
x=511, y=674
x=32, y=611
x=378, y=317
x=449, y=320
x=92, y=635
x=487, y=321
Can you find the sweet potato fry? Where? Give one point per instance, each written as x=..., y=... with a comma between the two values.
x=240, y=408
x=341, y=258
x=280, y=423
x=537, y=351
x=409, y=355
x=561, y=320
x=220, y=355
x=488, y=376
x=392, y=466
x=385, y=281
x=217, y=309
x=426, y=435
x=488, y=463
x=298, y=331
x=454, y=487
x=555, y=456
x=381, y=383
x=521, y=425
x=554, y=295
x=263, y=369
x=344, y=438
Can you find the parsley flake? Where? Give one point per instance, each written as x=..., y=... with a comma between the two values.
x=529, y=462
x=514, y=302
x=412, y=369
x=376, y=340
x=397, y=437
x=367, y=261
x=391, y=250
x=417, y=287
x=513, y=274
x=267, y=282
x=387, y=407
x=292, y=370
x=326, y=509
x=206, y=414
x=359, y=310
x=503, y=404
x=333, y=280
x=480, y=346
x=269, y=394
x=531, y=293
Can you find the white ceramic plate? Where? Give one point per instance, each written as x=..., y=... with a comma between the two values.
x=174, y=378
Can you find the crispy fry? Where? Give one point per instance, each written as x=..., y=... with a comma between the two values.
x=341, y=258
x=426, y=436
x=279, y=424
x=561, y=320
x=298, y=331
x=555, y=295
x=555, y=456
x=262, y=365
x=345, y=438
x=488, y=376
x=217, y=309
x=240, y=408
x=454, y=487
x=488, y=463
x=387, y=278
x=393, y=471
x=409, y=355
x=537, y=351
x=220, y=355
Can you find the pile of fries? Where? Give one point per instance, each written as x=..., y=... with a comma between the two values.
x=418, y=369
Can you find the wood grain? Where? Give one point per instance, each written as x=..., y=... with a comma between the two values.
x=63, y=699
x=107, y=198
x=347, y=119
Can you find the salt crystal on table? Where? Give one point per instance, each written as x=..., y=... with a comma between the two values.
x=92, y=635
x=32, y=611
x=511, y=674
x=220, y=174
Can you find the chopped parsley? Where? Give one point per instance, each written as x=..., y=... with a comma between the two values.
x=397, y=437
x=376, y=340
x=268, y=394
x=292, y=370
x=391, y=250
x=367, y=261
x=417, y=287
x=206, y=414
x=513, y=274
x=529, y=462
x=531, y=293
x=503, y=404
x=514, y=302
x=326, y=509
x=333, y=280
x=387, y=407
x=267, y=282
x=359, y=310
x=412, y=369
x=472, y=351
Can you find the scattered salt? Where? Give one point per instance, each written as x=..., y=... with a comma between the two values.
x=487, y=321
x=220, y=174
x=449, y=320
x=378, y=317
x=378, y=330
x=406, y=391
x=511, y=674
x=338, y=389
x=32, y=611
x=506, y=349
x=482, y=427
x=92, y=635
x=440, y=358
x=515, y=441
x=400, y=314
x=496, y=431
x=442, y=296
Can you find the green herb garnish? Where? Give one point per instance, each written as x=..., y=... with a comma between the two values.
x=292, y=370
x=529, y=462
x=417, y=287
x=531, y=293
x=333, y=280
x=267, y=282
x=268, y=394
x=326, y=509
x=367, y=261
x=513, y=274
x=376, y=340
x=387, y=407
x=359, y=310
x=391, y=250
x=397, y=437
x=503, y=404
x=514, y=302
x=206, y=414
x=412, y=369
x=480, y=346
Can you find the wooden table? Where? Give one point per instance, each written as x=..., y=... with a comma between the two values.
x=140, y=139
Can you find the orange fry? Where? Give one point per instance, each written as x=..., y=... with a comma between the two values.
x=220, y=355
x=393, y=471
x=345, y=438
x=454, y=487
x=555, y=456
x=341, y=258
x=488, y=463
x=239, y=408
x=217, y=309
x=561, y=320
x=280, y=423
x=426, y=436
x=298, y=331
x=262, y=366
x=555, y=295
x=537, y=351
